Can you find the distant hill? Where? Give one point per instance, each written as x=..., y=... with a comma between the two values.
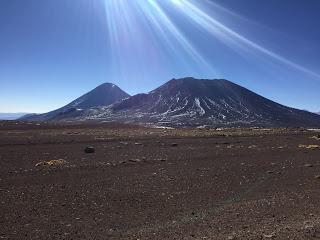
x=103, y=95
x=194, y=102
x=11, y=116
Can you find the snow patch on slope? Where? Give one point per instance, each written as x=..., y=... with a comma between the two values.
x=198, y=104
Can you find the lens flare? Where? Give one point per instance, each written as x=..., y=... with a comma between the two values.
x=144, y=31
x=143, y=36
x=177, y=2
x=232, y=38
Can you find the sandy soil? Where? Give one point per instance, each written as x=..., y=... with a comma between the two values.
x=144, y=183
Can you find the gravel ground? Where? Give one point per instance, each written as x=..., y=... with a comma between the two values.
x=147, y=183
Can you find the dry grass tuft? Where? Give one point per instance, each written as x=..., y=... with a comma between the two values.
x=56, y=162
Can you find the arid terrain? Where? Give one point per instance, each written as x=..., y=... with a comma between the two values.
x=152, y=183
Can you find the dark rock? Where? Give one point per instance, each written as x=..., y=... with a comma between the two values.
x=89, y=150
x=174, y=144
x=308, y=165
x=134, y=160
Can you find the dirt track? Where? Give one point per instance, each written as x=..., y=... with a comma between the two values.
x=157, y=183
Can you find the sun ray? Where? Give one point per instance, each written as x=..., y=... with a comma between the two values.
x=138, y=27
x=231, y=37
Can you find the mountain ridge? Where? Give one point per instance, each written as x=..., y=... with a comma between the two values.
x=195, y=102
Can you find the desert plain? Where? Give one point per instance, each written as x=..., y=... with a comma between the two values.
x=154, y=183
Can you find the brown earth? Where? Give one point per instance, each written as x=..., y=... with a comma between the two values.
x=145, y=183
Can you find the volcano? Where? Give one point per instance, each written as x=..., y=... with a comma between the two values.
x=196, y=102
x=103, y=95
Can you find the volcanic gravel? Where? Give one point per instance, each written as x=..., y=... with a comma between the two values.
x=152, y=183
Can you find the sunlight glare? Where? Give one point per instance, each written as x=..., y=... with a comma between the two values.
x=177, y=2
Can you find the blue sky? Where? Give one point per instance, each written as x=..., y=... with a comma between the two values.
x=53, y=51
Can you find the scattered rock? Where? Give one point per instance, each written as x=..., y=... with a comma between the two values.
x=269, y=236
x=252, y=146
x=311, y=231
x=312, y=147
x=89, y=150
x=317, y=137
x=308, y=165
x=134, y=160
x=231, y=237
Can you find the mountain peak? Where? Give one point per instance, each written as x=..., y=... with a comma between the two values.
x=106, y=85
x=195, y=87
x=195, y=81
x=218, y=102
x=103, y=95
x=184, y=102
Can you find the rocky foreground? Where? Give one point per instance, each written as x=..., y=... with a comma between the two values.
x=108, y=181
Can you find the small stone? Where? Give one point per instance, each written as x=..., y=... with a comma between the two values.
x=308, y=165
x=269, y=236
x=317, y=177
x=134, y=160
x=232, y=237
x=174, y=144
x=89, y=150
